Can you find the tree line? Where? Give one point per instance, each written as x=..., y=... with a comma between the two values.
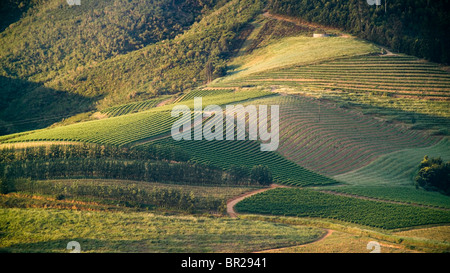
x=110, y=162
x=415, y=27
x=126, y=195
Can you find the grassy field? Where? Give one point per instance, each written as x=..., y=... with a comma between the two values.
x=340, y=242
x=291, y=51
x=48, y=230
x=440, y=233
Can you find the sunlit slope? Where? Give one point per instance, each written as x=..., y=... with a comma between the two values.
x=123, y=130
x=330, y=140
x=412, y=90
x=397, y=168
x=292, y=51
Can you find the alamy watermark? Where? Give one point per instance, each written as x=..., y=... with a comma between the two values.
x=74, y=2
x=374, y=2
x=374, y=246
x=74, y=246
x=208, y=123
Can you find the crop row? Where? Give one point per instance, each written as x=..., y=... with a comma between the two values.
x=247, y=153
x=397, y=75
x=309, y=203
x=127, y=129
x=132, y=107
x=204, y=93
x=339, y=140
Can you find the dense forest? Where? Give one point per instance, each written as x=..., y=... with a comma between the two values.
x=415, y=27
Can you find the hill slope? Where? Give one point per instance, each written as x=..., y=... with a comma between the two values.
x=89, y=53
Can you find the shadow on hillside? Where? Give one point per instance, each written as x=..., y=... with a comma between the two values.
x=12, y=11
x=27, y=105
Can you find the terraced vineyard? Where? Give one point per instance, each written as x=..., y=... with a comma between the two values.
x=203, y=93
x=403, y=194
x=224, y=154
x=309, y=203
x=133, y=107
x=396, y=76
x=330, y=140
x=127, y=129
x=397, y=168
x=399, y=88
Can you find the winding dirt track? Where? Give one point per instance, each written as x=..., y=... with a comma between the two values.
x=232, y=202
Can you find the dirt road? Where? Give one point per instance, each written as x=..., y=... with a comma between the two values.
x=231, y=203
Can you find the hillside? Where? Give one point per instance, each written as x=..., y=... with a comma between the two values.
x=95, y=150
x=89, y=58
x=417, y=28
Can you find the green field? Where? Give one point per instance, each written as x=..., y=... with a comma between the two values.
x=397, y=168
x=309, y=203
x=301, y=50
x=133, y=107
x=124, y=130
x=407, y=195
x=355, y=124
x=224, y=154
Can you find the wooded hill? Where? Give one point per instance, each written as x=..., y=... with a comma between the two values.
x=414, y=27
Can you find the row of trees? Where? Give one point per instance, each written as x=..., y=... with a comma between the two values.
x=93, y=151
x=126, y=195
x=259, y=174
x=152, y=163
x=415, y=27
x=151, y=171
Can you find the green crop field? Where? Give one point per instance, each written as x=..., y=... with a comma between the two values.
x=355, y=121
x=331, y=140
x=291, y=51
x=224, y=154
x=407, y=195
x=132, y=107
x=124, y=130
x=395, y=169
x=397, y=76
x=309, y=203
x=203, y=93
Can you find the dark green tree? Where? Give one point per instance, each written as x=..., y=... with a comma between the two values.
x=434, y=175
x=261, y=174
